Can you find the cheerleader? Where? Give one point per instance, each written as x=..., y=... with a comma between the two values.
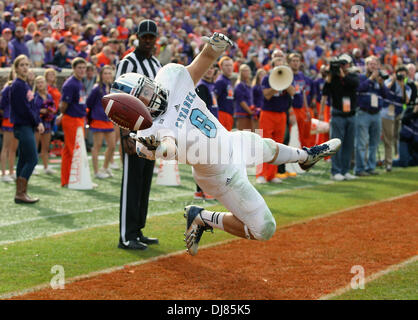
x=100, y=125
x=8, y=151
x=26, y=120
x=47, y=111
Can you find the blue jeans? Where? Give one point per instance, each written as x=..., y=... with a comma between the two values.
x=368, y=129
x=28, y=154
x=343, y=129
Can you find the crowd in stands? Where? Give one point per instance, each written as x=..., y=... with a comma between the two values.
x=306, y=35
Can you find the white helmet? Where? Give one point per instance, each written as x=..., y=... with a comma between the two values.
x=148, y=91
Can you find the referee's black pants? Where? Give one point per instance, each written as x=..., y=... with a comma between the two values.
x=135, y=190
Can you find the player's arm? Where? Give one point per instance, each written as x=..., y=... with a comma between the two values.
x=143, y=152
x=216, y=44
x=167, y=149
x=152, y=147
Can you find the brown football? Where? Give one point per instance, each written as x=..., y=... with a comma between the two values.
x=127, y=111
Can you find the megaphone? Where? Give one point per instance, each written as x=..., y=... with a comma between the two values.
x=280, y=78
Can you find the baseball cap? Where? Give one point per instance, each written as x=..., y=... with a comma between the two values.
x=36, y=33
x=6, y=30
x=147, y=27
x=346, y=58
x=163, y=40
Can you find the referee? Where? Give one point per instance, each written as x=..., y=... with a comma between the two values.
x=137, y=172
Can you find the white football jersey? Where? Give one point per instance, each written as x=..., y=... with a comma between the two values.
x=200, y=137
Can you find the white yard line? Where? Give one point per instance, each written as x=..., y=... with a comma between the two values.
x=57, y=215
x=373, y=277
x=136, y=263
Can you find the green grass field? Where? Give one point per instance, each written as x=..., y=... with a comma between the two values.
x=401, y=284
x=79, y=229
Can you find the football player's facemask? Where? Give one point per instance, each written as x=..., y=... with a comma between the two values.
x=148, y=91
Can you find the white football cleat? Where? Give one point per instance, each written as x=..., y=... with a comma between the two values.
x=323, y=150
x=194, y=228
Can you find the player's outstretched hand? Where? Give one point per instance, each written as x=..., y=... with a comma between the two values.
x=151, y=142
x=218, y=41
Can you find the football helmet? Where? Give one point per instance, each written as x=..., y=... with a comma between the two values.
x=148, y=91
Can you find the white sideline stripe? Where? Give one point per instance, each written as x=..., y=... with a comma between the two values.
x=373, y=277
x=108, y=270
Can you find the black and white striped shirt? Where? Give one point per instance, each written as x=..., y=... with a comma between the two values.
x=137, y=63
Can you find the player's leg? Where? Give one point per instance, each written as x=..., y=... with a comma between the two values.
x=247, y=217
x=255, y=150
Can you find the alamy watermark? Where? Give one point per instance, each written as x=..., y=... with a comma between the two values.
x=237, y=148
x=58, y=17
x=57, y=281
x=358, y=20
x=357, y=282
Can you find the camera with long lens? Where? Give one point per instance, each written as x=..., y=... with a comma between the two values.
x=383, y=74
x=335, y=65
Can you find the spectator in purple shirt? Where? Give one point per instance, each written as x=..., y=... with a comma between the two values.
x=18, y=45
x=8, y=23
x=243, y=99
x=100, y=124
x=49, y=54
x=258, y=97
x=47, y=110
x=225, y=93
x=73, y=107
x=300, y=105
x=25, y=119
x=9, y=146
x=205, y=90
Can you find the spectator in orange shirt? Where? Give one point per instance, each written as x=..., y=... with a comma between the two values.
x=28, y=18
x=105, y=57
x=244, y=44
x=123, y=31
x=131, y=45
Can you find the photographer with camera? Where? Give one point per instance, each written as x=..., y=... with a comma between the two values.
x=399, y=94
x=341, y=86
x=371, y=92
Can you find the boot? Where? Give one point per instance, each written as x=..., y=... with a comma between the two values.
x=21, y=188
